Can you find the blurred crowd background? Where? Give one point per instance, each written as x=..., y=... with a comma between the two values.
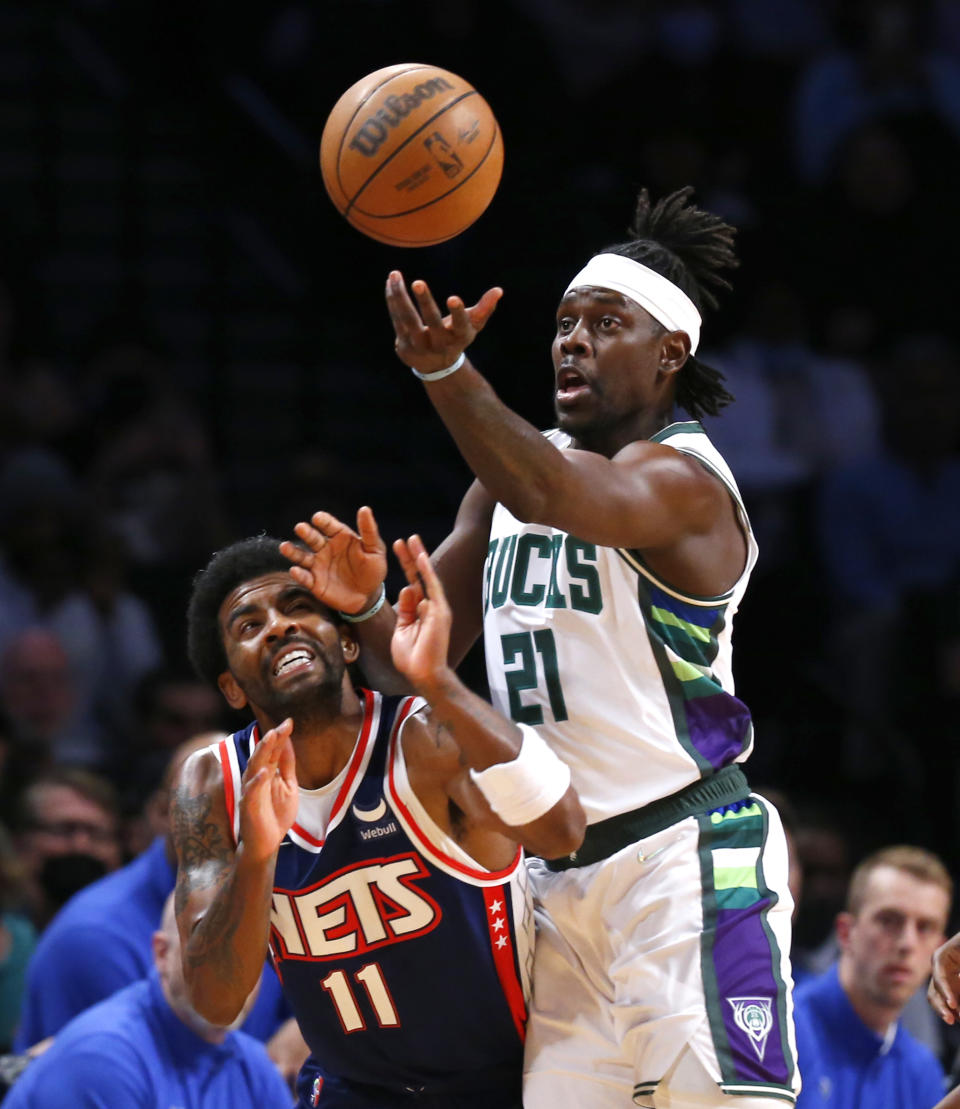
x=194, y=347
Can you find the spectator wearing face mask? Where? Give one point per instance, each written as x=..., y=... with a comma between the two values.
x=66, y=833
x=100, y=941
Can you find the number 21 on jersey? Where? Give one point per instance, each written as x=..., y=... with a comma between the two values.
x=527, y=656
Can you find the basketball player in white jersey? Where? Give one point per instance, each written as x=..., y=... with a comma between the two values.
x=611, y=555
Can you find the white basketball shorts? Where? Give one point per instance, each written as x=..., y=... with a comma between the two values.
x=674, y=949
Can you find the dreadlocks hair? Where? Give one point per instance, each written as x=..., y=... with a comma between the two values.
x=689, y=247
x=240, y=562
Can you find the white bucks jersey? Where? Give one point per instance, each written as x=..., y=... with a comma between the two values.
x=627, y=678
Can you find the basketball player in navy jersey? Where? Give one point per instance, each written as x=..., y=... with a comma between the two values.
x=356, y=837
x=611, y=554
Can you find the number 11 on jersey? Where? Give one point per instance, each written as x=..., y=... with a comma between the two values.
x=341, y=993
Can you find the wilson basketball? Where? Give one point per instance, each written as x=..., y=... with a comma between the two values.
x=411, y=155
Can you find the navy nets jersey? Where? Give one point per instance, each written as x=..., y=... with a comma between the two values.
x=405, y=962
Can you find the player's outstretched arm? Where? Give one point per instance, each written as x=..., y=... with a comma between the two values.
x=646, y=496
x=944, y=989
x=524, y=789
x=223, y=892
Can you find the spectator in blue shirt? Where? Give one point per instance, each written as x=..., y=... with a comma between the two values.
x=851, y=1050
x=147, y=1048
x=100, y=940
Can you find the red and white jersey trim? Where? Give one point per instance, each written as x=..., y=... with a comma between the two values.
x=498, y=902
x=312, y=825
x=434, y=844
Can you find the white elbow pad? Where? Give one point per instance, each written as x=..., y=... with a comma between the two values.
x=527, y=787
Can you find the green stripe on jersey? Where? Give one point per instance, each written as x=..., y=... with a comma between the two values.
x=665, y=616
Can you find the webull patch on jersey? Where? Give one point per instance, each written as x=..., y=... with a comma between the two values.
x=753, y=1016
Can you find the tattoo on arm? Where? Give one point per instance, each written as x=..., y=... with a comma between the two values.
x=444, y=734
x=212, y=939
x=198, y=840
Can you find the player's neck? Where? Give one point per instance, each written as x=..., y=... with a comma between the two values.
x=611, y=439
x=323, y=747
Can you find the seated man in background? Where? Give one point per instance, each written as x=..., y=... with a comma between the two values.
x=101, y=940
x=146, y=1047
x=851, y=1050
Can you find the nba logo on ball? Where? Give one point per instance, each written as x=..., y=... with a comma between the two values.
x=411, y=155
x=752, y=1015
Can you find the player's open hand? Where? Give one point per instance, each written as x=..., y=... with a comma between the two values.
x=421, y=636
x=426, y=340
x=341, y=567
x=942, y=993
x=268, y=793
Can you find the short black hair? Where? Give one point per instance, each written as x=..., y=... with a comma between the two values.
x=241, y=561
x=689, y=247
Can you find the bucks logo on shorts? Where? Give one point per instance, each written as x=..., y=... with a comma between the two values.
x=753, y=1016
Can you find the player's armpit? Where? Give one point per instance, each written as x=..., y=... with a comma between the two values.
x=458, y=561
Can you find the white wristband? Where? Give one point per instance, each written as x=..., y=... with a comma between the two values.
x=359, y=617
x=524, y=789
x=442, y=373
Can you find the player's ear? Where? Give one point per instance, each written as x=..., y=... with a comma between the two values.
x=674, y=351
x=234, y=695
x=351, y=648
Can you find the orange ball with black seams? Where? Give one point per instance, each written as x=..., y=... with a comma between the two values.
x=411, y=155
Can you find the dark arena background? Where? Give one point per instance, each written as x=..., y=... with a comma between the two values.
x=194, y=344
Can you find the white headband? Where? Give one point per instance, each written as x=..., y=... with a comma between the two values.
x=664, y=301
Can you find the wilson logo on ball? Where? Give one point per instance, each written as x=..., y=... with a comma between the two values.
x=411, y=155
x=372, y=134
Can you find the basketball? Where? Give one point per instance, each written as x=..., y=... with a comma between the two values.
x=411, y=155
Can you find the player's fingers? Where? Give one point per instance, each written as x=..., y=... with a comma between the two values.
x=407, y=561
x=256, y=781
x=327, y=524
x=939, y=1004
x=415, y=545
x=287, y=762
x=941, y=983
x=369, y=532
x=303, y=577
x=295, y=553
x=485, y=307
x=460, y=323
x=429, y=312
x=428, y=576
x=403, y=313
x=407, y=603
x=267, y=751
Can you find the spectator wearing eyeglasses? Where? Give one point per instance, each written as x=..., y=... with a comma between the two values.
x=100, y=942
x=66, y=833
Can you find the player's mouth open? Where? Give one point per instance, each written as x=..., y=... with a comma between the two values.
x=571, y=385
x=292, y=661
